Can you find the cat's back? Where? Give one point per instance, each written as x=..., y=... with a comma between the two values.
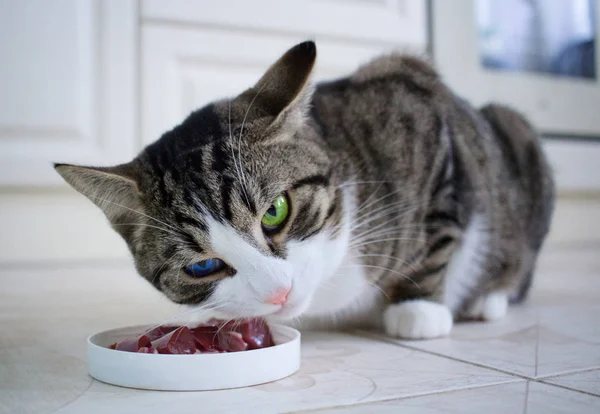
x=385, y=112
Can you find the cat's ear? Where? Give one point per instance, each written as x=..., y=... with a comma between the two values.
x=114, y=189
x=284, y=90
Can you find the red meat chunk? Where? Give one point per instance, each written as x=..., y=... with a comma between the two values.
x=214, y=337
x=206, y=338
x=232, y=341
x=132, y=345
x=256, y=333
x=159, y=332
x=179, y=341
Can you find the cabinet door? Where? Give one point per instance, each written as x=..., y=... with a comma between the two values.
x=184, y=69
x=360, y=21
x=67, y=86
x=67, y=94
x=195, y=52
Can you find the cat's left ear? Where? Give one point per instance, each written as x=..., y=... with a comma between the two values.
x=114, y=189
x=284, y=90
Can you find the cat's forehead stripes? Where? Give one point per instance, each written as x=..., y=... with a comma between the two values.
x=315, y=179
x=195, y=163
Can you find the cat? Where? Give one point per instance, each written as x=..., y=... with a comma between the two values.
x=379, y=200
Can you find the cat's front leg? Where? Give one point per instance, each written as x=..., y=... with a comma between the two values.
x=419, y=309
x=417, y=319
x=448, y=275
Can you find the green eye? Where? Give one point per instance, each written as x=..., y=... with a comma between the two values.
x=276, y=214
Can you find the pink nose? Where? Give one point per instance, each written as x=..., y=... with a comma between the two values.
x=279, y=298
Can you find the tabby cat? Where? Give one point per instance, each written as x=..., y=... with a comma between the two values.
x=378, y=200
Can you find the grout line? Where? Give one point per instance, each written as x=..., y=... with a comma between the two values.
x=564, y=387
x=407, y=397
x=526, y=402
x=414, y=348
x=541, y=380
x=567, y=373
x=537, y=342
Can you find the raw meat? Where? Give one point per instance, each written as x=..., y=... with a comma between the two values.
x=132, y=345
x=179, y=341
x=159, y=332
x=214, y=337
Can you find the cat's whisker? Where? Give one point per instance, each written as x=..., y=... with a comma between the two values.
x=388, y=224
x=379, y=212
x=383, y=214
x=414, y=203
x=352, y=183
x=386, y=240
x=400, y=231
x=328, y=284
x=400, y=206
x=371, y=234
x=223, y=325
x=158, y=272
x=240, y=141
x=235, y=163
x=386, y=256
x=206, y=308
x=379, y=288
x=371, y=283
x=385, y=269
x=147, y=225
x=387, y=211
x=364, y=205
x=133, y=211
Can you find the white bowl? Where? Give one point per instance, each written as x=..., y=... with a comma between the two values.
x=192, y=372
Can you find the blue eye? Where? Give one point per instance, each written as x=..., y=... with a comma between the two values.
x=204, y=268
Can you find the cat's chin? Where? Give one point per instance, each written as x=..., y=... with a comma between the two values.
x=287, y=312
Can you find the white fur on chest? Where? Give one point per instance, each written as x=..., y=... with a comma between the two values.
x=345, y=299
x=341, y=291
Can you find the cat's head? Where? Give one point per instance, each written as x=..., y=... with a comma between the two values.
x=237, y=207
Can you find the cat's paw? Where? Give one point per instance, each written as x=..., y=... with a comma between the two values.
x=417, y=319
x=490, y=307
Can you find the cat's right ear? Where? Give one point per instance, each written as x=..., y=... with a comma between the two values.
x=284, y=88
x=114, y=189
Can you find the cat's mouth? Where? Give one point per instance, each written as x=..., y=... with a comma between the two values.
x=288, y=311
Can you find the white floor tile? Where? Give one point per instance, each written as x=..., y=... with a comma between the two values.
x=521, y=397
x=588, y=381
x=336, y=369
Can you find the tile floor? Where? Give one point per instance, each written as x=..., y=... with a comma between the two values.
x=543, y=358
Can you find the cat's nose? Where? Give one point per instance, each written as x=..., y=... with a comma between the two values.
x=279, y=297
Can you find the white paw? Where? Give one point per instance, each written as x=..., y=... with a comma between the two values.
x=494, y=306
x=417, y=319
x=489, y=308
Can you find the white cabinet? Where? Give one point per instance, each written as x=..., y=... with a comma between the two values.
x=185, y=69
x=390, y=22
x=92, y=81
x=195, y=52
x=67, y=86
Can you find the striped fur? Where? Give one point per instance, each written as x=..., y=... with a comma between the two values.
x=400, y=192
